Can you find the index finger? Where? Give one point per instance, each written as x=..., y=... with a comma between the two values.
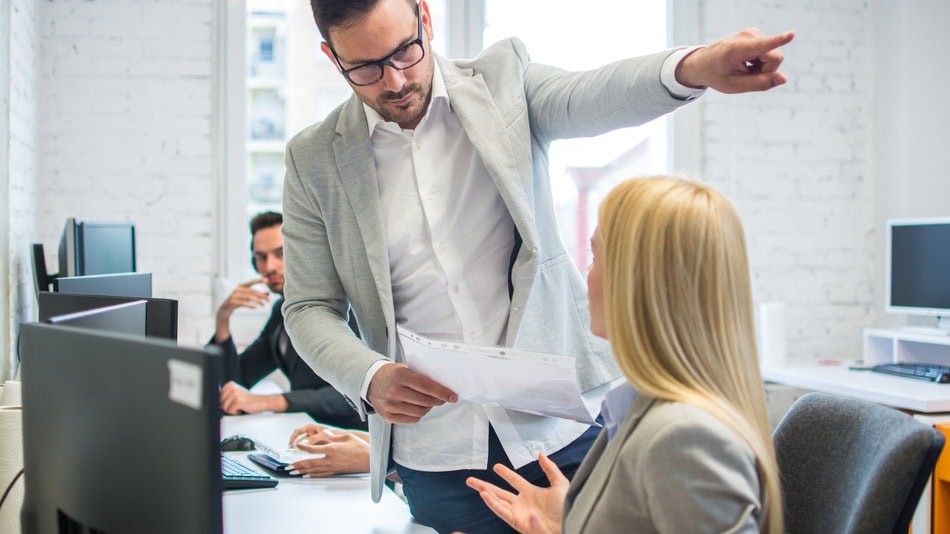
x=296, y=434
x=761, y=45
x=517, y=481
x=425, y=385
x=250, y=283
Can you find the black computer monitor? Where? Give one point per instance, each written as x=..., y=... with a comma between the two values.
x=87, y=248
x=116, y=285
x=161, y=315
x=123, y=318
x=120, y=434
x=41, y=277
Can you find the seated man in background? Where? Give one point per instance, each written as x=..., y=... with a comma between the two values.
x=272, y=349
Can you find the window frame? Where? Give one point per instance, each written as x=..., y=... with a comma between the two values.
x=465, y=20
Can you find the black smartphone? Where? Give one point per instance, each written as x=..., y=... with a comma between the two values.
x=270, y=463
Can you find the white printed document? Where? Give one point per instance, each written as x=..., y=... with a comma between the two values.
x=532, y=382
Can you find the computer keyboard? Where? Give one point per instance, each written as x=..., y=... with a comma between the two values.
x=235, y=475
x=919, y=371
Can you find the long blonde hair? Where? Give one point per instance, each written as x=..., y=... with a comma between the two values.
x=678, y=307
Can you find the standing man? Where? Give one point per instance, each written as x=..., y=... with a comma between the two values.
x=424, y=201
x=272, y=349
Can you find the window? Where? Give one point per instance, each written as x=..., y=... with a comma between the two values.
x=286, y=84
x=583, y=170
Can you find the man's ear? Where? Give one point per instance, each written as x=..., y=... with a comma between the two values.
x=426, y=19
x=329, y=53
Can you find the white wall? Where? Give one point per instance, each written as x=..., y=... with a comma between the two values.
x=17, y=167
x=126, y=135
x=796, y=161
x=911, y=113
x=5, y=279
x=124, y=102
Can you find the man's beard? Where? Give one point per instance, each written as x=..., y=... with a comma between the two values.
x=383, y=104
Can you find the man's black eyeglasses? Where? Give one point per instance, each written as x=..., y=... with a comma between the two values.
x=405, y=57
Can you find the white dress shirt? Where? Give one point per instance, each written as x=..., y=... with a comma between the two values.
x=450, y=238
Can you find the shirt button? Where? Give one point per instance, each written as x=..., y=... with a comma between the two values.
x=455, y=289
x=442, y=246
x=534, y=251
x=429, y=196
x=515, y=308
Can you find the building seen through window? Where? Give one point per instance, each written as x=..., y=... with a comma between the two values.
x=290, y=84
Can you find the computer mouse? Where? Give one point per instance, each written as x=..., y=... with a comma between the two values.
x=237, y=443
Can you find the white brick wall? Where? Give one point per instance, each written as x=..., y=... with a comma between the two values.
x=125, y=135
x=125, y=96
x=20, y=167
x=796, y=162
x=5, y=279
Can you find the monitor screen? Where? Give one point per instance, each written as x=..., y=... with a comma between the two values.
x=122, y=318
x=161, y=315
x=117, y=285
x=918, y=266
x=120, y=434
x=87, y=248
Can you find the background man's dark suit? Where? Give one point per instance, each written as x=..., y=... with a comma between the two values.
x=309, y=393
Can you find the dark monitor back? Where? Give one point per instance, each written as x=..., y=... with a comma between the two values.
x=123, y=318
x=161, y=315
x=140, y=419
x=105, y=248
x=88, y=248
x=41, y=278
x=117, y=285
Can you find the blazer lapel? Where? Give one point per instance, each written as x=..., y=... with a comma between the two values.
x=357, y=167
x=604, y=451
x=473, y=104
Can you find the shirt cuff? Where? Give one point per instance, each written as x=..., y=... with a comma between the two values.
x=668, y=76
x=368, y=377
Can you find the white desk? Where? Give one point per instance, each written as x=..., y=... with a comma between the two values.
x=906, y=393
x=300, y=505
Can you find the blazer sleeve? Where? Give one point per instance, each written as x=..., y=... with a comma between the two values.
x=316, y=303
x=258, y=359
x=564, y=104
x=325, y=405
x=700, y=478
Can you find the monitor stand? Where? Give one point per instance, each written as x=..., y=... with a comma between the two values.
x=942, y=328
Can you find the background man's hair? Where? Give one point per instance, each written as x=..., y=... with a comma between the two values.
x=266, y=219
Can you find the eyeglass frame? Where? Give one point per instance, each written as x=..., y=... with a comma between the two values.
x=388, y=60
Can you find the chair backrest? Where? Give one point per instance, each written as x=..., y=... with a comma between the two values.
x=849, y=466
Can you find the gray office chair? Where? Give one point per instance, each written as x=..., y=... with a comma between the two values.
x=849, y=466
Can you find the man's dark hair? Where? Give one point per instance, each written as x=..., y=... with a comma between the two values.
x=330, y=14
x=265, y=219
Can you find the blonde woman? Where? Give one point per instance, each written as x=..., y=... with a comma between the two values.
x=690, y=450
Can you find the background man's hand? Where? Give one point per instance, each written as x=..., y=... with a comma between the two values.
x=742, y=62
x=236, y=400
x=342, y=451
x=401, y=395
x=243, y=296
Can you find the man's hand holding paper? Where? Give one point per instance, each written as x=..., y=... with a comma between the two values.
x=530, y=382
x=401, y=395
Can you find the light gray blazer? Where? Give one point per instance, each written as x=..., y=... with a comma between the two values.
x=335, y=244
x=671, y=467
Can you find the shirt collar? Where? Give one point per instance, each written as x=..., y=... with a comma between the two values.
x=373, y=118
